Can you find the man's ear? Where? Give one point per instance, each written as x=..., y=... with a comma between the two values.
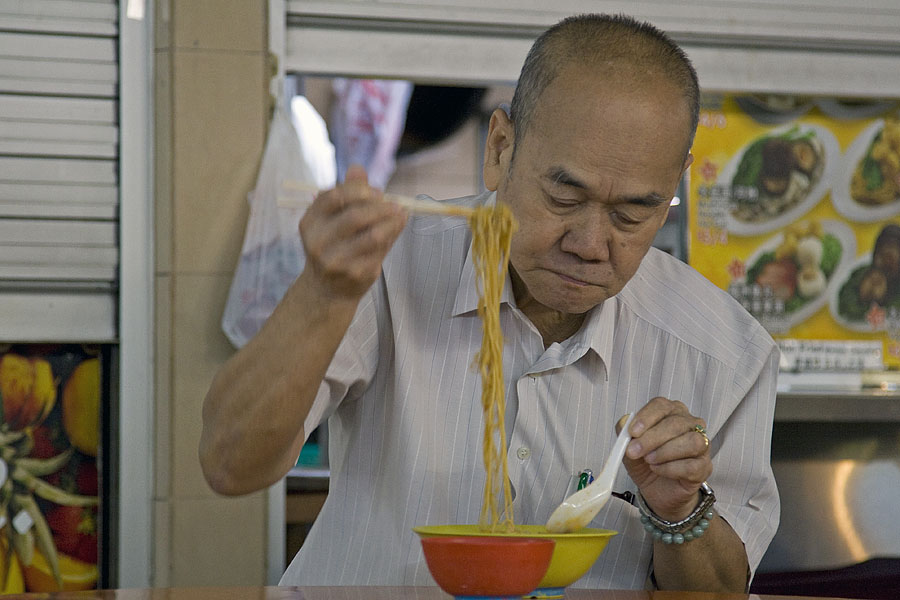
x=687, y=163
x=498, y=149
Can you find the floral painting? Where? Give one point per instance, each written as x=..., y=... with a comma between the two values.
x=49, y=483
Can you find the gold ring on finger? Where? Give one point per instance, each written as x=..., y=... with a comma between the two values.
x=702, y=431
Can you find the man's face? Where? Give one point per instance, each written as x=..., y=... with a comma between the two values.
x=590, y=184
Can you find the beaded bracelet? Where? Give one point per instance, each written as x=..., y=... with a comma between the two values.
x=687, y=535
x=685, y=530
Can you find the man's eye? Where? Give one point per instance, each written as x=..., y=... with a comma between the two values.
x=625, y=219
x=562, y=202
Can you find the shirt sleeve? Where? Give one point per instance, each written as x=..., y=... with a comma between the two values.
x=747, y=497
x=353, y=366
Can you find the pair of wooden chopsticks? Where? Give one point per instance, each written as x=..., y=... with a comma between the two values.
x=418, y=205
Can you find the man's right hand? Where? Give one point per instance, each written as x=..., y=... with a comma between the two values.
x=346, y=234
x=254, y=412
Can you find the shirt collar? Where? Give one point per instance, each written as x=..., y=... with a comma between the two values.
x=597, y=331
x=595, y=335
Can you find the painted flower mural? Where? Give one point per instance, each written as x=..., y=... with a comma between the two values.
x=49, y=489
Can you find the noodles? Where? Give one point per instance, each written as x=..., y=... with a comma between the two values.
x=492, y=229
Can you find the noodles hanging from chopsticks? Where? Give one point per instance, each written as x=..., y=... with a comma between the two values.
x=492, y=229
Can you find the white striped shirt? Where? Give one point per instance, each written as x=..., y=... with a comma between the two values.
x=405, y=420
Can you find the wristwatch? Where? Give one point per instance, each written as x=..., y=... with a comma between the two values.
x=707, y=499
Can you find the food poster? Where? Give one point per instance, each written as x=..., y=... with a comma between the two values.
x=794, y=209
x=49, y=446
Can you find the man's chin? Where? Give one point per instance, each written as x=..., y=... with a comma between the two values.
x=561, y=293
x=576, y=304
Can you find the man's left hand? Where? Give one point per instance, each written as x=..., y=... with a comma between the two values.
x=668, y=457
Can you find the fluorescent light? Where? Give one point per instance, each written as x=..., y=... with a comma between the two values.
x=135, y=10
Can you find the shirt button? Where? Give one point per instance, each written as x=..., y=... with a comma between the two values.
x=523, y=453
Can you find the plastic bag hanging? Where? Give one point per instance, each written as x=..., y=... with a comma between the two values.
x=272, y=252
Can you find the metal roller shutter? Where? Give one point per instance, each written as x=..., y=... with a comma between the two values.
x=826, y=47
x=59, y=152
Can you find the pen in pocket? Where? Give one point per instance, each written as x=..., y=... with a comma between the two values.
x=584, y=479
x=579, y=481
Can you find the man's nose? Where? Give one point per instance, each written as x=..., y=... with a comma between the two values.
x=589, y=238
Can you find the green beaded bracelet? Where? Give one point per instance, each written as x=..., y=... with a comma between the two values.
x=689, y=534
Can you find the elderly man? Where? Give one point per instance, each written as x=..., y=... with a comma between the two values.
x=378, y=333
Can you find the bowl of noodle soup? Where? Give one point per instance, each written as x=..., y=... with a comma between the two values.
x=573, y=554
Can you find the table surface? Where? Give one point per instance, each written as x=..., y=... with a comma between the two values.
x=362, y=593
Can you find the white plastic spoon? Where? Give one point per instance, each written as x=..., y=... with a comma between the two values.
x=580, y=508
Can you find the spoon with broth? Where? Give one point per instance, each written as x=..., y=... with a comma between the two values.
x=580, y=508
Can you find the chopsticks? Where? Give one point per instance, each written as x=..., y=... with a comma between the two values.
x=418, y=205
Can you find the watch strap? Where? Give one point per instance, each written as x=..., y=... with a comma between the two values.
x=707, y=499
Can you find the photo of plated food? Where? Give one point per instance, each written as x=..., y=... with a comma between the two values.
x=869, y=290
x=867, y=184
x=876, y=179
x=778, y=177
x=792, y=272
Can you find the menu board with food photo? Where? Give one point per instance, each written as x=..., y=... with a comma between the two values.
x=794, y=208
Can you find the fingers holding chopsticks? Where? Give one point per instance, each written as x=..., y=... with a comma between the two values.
x=346, y=234
x=354, y=189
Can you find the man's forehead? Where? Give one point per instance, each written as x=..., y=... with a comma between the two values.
x=559, y=175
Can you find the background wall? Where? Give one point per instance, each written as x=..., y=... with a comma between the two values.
x=211, y=100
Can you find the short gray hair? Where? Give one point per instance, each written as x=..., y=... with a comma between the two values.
x=590, y=38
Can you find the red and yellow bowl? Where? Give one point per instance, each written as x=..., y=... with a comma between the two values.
x=496, y=567
x=573, y=554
